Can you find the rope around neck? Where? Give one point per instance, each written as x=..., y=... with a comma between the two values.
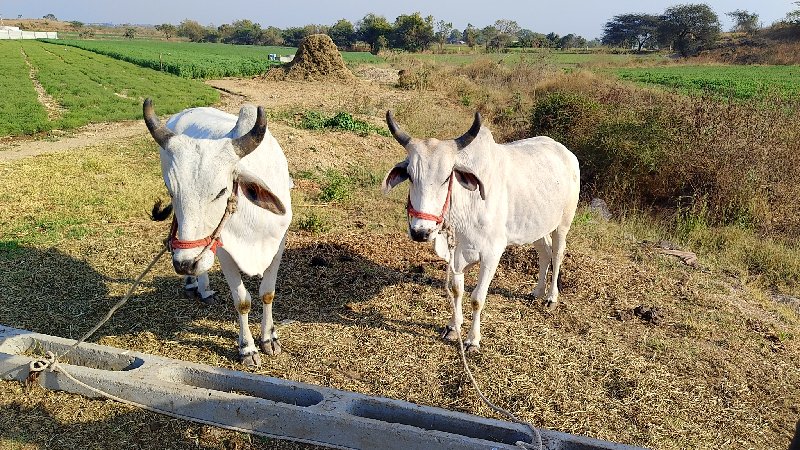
x=451, y=247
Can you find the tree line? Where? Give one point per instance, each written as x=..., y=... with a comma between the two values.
x=685, y=28
x=409, y=32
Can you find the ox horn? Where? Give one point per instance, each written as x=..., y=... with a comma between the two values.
x=160, y=133
x=244, y=145
x=471, y=134
x=402, y=137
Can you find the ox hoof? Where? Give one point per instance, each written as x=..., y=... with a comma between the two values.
x=251, y=360
x=472, y=349
x=551, y=305
x=271, y=347
x=210, y=300
x=537, y=293
x=449, y=334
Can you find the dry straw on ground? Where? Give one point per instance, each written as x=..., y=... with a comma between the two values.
x=317, y=59
x=359, y=306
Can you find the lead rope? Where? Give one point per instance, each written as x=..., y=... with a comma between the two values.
x=50, y=361
x=451, y=246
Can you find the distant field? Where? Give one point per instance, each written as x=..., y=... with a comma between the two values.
x=197, y=60
x=559, y=58
x=79, y=87
x=729, y=81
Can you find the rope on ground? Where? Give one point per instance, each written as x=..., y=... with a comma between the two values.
x=451, y=246
x=50, y=361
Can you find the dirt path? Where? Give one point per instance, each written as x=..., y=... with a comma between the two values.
x=87, y=136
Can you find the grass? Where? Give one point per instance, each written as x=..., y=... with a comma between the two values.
x=20, y=110
x=198, y=60
x=725, y=81
x=85, y=87
x=720, y=370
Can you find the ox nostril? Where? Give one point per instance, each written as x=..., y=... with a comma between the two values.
x=184, y=267
x=419, y=235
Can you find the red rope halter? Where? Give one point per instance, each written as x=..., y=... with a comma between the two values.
x=211, y=242
x=425, y=216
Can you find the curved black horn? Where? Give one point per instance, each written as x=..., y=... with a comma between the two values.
x=402, y=137
x=471, y=134
x=243, y=145
x=160, y=133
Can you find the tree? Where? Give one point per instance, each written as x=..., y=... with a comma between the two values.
x=688, y=28
x=744, y=21
x=50, y=17
x=470, y=35
x=552, y=39
x=501, y=35
x=192, y=30
x=76, y=24
x=293, y=35
x=371, y=29
x=168, y=29
x=571, y=41
x=130, y=33
x=454, y=37
x=505, y=26
x=793, y=17
x=631, y=29
x=442, y=33
x=271, y=36
x=412, y=32
x=342, y=34
x=487, y=37
x=242, y=32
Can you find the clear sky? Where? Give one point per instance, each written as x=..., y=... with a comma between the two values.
x=582, y=17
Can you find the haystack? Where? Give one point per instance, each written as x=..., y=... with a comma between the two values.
x=317, y=59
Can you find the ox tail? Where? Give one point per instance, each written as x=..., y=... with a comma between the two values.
x=160, y=214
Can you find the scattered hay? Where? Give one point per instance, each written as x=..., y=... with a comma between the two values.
x=317, y=59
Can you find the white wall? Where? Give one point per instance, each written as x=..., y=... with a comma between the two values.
x=13, y=34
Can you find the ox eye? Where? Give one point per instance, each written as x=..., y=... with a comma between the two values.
x=221, y=193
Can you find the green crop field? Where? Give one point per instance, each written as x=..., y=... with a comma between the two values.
x=82, y=87
x=737, y=82
x=198, y=60
x=20, y=111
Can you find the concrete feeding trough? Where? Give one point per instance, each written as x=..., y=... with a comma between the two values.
x=268, y=406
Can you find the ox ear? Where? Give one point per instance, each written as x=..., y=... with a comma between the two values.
x=469, y=181
x=397, y=175
x=259, y=193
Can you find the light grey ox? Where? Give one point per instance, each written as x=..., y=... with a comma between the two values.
x=209, y=158
x=517, y=193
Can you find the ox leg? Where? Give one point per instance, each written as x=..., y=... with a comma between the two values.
x=248, y=352
x=559, y=245
x=269, y=336
x=545, y=253
x=488, y=268
x=462, y=260
x=204, y=292
x=453, y=328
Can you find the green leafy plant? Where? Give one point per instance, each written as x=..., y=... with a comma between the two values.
x=313, y=223
x=342, y=121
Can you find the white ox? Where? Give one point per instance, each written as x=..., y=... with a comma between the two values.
x=207, y=157
x=516, y=193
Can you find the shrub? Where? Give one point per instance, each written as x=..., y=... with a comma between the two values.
x=313, y=223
